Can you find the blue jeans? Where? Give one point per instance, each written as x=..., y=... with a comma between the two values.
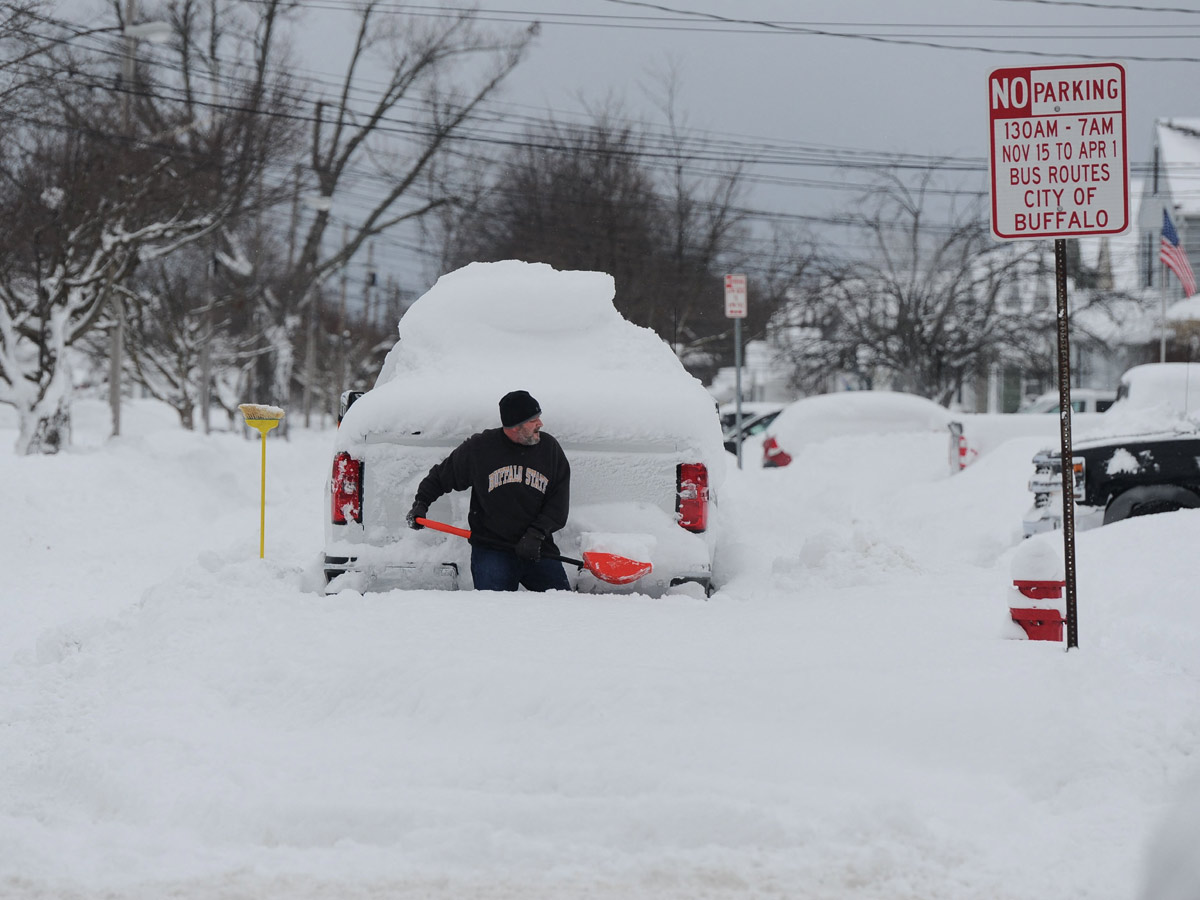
x=503, y=570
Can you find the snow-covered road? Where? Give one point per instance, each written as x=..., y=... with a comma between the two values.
x=849, y=716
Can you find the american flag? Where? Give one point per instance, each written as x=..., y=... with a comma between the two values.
x=1175, y=258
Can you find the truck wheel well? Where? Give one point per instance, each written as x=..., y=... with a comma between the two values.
x=1148, y=499
x=704, y=583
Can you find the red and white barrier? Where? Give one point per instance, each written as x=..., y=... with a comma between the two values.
x=1035, y=600
x=1040, y=622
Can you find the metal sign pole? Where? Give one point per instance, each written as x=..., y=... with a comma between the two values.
x=1067, y=455
x=735, y=308
x=737, y=363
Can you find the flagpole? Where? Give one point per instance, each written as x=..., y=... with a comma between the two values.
x=1162, y=334
x=1174, y=257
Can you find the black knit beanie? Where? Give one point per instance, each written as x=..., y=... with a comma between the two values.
x=517, y=407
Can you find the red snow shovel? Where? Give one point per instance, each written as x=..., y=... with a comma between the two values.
x=605, y=566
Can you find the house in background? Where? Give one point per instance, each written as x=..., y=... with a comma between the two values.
x=1126, y=307
x=1130, y=308
x=1172, y=183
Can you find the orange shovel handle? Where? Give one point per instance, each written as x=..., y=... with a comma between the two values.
x=442, y=526
x=605, y=566
x=465, y=533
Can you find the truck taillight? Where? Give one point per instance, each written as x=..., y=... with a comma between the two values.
x=691, y=504
x=346, y=489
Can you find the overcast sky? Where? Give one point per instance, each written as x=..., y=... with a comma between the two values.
x=860, y=75
x=863, y=77
x=779, y=84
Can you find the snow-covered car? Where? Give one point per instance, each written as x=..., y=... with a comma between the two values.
x=845, y=413
x=639, y=431
x=1083, y=400
x=1160, y=388
x=752, y=428
x=751, y=410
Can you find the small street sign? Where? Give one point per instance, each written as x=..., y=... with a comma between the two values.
x=735, y=296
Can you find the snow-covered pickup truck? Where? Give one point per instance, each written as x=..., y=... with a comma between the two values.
x=639, y=432
x=1144, y=458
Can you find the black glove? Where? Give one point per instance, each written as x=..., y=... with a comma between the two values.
x=530, y=545
x=420, y=510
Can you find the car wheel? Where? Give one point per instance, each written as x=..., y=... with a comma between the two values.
x=1148, y=500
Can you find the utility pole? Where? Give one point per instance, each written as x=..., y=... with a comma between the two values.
x=369, y=288
x=210, y=263
x=116, y=350
x=313, y=290
x=341, y=329
x=310, y=353
x=293, y=223
x=391, y=306
x=312, y=316
x=210, y=277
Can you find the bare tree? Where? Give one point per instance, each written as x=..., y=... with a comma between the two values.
x=923, y=308
x=98, y=181
x=238, y=111
x=575, y=198
x=393, y=140
x=21, y=41
x=198, y=321
x=611, y=196
x=178, y=322
x=79, y=211
x=706, y=227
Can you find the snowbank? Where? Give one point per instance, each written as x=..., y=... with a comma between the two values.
x=845, y=718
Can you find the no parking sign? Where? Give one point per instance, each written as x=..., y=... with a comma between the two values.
x=1058, y=151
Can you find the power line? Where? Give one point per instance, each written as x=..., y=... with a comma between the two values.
x=354, y=185
x=698, y=151
x=684, y=21
x=1087, y=4
x=901, y=41
x=697, y=148
x=703, y=146
x=757, y=157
